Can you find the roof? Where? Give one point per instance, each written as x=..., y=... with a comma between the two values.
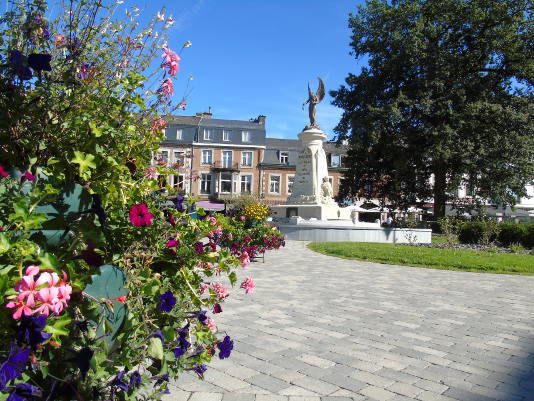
x=215, y=122
x=282, y=144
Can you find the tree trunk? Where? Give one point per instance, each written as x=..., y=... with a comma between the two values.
x=440, y=196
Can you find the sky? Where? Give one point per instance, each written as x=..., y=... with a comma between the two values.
x=256, y=57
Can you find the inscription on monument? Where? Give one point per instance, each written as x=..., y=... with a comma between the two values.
x=305, y=163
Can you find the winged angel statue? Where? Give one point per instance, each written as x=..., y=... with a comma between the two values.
x=313, y=100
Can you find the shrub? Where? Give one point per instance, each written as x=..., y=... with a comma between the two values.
x=528, y=240
x=451, y=226
x=471, y=232
x=512, y=233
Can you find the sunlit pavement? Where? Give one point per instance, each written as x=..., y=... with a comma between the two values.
x=318, y=328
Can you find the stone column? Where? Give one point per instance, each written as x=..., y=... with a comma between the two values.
x=311, y=168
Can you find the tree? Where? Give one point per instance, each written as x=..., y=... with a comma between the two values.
x=446, y=100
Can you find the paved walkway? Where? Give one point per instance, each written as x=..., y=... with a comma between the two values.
x=319, y=328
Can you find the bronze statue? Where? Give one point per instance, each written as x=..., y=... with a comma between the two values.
x=313, y=100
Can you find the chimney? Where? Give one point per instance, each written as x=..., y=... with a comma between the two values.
x=204, y=114
x=260, y=120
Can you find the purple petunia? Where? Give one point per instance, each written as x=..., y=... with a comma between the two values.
x=166, y=301
x=135, y=380
x=40, y=62
x=201, y=316
x=12, y=366
x=200, y=369
x=120, y=382
x=199, y=247
x=217, y=308
x=225, y=347
x=24, y=392
x=183, y=344
x=31, y=329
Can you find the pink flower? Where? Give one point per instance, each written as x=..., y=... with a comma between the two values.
x=205, y=287
x=211, y=324
x=48, y=297
x=171, y=62
x=60, y=40
x=122, y=299
x=241, y=218
x=217, y=231
x=220, y=290
x=151, y=173
x=248, y=285
x=213, y=220
x=158, y=124
x=245, y=259
x=3, y=172
x=172, y=243
x=140, y=216
x=29, y=176
x=21, y=308
x=166, y=88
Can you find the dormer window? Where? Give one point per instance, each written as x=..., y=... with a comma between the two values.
x=226, y=136
x=208, y=135
x=335, y=160
x=284, y=157
x=245, y=136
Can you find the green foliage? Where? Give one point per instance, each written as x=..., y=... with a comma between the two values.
x=451, y=226
x=512, y=233
x=437, y=107
x=85, y=216
x=433, y=258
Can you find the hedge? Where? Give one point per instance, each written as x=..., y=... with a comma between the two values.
x=510, y=233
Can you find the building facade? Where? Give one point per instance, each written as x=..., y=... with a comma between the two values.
x=217, y=159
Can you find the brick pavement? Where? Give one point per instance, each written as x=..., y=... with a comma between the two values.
x=319, y=328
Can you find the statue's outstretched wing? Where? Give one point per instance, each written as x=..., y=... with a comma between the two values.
x=310, y=93
x=320, y=90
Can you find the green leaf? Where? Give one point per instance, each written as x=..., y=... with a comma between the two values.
x=155, y=348
x=85, y=162
x=57, y=327
x=97, y=131
x=4, y=243
x=233, y=278
x=48, y=261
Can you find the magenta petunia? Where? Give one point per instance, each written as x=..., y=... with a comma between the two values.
x=29, y=176
x=140, y=216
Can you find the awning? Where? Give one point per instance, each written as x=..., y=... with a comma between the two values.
x=210, y=205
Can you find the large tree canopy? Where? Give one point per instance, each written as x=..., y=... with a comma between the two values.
x=446, y=100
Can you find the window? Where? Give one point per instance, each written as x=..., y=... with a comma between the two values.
x=207, y=156
x=226, y=136
x=226, y=182
x=245, y=136
x=208, y=135
x=246, y=183
x=284, y=157
x=246, y=159
x=274, y=184
x=335, y=161
x=179, y=157
x=205, y=183
x=179, y=134
x=290, y=180
x=165, y=156
x=227, y=158
x=178, y=181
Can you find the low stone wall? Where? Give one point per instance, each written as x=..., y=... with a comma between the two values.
x=333, y=233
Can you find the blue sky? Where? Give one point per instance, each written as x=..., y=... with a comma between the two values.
x=252, y=57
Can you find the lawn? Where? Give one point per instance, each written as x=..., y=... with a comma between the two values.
x=434, y=258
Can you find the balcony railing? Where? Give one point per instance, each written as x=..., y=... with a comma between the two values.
x=223, y=165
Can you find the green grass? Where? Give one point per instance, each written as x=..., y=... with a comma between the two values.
x=439, y=240
x=434, y=258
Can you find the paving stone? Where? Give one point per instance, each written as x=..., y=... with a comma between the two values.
x=176, y=395
x=330, y=318
x=377, y=393
x=238, y=397
x=315, y=385
x=268, y=382
x=405, y=389
x=205, y=397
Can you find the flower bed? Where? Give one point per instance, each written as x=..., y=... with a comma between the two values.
x=107, y=292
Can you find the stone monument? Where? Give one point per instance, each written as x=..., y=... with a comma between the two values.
x=312, y=193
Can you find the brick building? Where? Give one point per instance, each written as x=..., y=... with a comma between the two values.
x=217, y=159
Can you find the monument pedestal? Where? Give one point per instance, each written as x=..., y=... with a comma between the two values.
x=312, y=194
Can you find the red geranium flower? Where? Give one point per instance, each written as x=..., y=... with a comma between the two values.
x=140, y=216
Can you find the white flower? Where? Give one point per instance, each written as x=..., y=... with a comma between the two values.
x=160, y=16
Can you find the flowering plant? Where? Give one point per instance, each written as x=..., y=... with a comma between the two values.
x=107, y=292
